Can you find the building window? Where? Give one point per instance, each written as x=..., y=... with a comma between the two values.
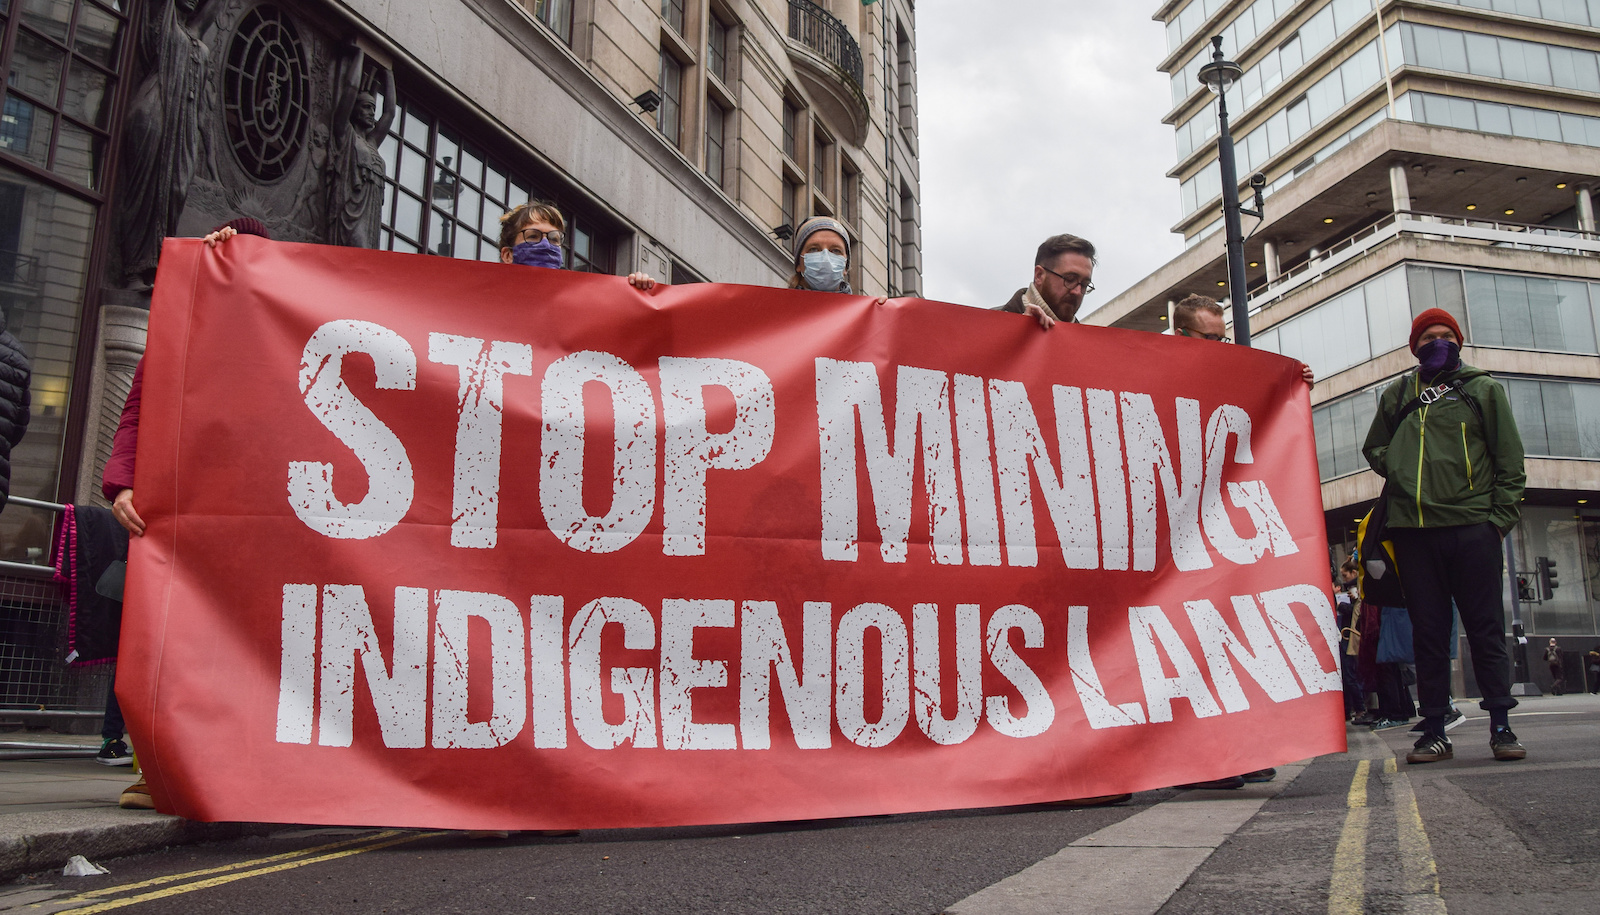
x=557, y=14
x=791, y=130
x=791, y=202
x=849, y=190
x=907, y=92
x=62, y=67
x=820, y=148
x=1341, y=429
x=672, y=11
x=1500, y=58
x=717, y=49
x=669, y=115
x=1493, y=117
x=716, y=127
x=444, y=196
x=908, y=242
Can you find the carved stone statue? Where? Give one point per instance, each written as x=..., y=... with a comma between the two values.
x=356, y=167
x=161, y=139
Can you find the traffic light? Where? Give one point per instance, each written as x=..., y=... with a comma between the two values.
x=1548, y=582
x=1525, y=589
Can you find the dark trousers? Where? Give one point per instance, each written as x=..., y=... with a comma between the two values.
x=1465, y=563
x=111, y=727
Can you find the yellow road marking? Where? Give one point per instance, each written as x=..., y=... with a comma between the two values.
x=238, y=865
x=1420, y=873
x=258, y=872
x=1347, y=889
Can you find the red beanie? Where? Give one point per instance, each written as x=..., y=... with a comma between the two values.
x=1428, y=319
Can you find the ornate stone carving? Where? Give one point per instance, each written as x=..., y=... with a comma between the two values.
x=161, y=138
x=355, y=165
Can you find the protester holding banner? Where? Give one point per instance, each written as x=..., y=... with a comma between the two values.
x=530, y=235
x=116, y=484
x=1063, y=273
x=1453, y=497
x=1201, y=318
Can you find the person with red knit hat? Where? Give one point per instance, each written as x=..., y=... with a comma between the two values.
x=1448, y=448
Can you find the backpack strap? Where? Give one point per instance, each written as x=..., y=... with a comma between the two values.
x=1433, y=394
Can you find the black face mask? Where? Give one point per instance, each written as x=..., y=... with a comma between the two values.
x=1439, y=355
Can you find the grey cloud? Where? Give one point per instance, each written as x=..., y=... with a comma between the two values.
x=1036, y=118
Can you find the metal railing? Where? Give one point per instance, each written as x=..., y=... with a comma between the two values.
x=822, y=32
x=19, y=269
x=36, y=684
x=1461, y=230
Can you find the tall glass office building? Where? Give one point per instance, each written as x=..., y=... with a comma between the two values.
x=1417, y=154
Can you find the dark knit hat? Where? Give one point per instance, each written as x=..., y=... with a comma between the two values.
x=1428, y=319
x=818, y=224
x=246, y=225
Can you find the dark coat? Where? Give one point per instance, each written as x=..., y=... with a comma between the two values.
x=14, y=404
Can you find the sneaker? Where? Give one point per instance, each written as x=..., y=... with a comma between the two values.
x=1365, y=719
x=1430, y=748
x=1505, y=745
x=114, y=752
x=1216, y=784
x=137, y=797
x=1383, y=724
x=1260, y=775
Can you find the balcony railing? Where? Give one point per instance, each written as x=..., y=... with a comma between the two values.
x=18, y=269
x=1486, y=232
x=819, y=30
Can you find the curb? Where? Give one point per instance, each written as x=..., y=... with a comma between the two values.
x=34, y=842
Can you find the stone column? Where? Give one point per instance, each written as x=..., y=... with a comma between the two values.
x=1269, y=256
x=1586, y=208
x=1399, y=188
x=122, y=338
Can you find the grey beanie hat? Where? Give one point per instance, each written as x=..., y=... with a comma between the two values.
x=818, y=224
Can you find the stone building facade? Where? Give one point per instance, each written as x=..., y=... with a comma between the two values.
x=680, y=137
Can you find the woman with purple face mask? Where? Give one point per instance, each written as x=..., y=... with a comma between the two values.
x=530, y=235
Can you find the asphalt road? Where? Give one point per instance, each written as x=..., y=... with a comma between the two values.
x=1356, y=833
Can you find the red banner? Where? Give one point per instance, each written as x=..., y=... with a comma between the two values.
x=451, y=544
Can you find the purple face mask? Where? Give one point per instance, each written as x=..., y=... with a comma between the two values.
x=1437, y=356
x=542, y=253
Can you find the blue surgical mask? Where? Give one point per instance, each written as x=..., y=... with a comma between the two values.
x=542, y=253
x=824, y=270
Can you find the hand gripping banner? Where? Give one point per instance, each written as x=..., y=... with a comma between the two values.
x=451, y=544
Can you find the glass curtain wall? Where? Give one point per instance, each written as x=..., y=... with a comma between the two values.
x=63, y=60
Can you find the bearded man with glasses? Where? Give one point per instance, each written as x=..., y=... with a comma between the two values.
x=1063, y=273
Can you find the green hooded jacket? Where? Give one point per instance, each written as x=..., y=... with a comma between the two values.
x=1446, y=468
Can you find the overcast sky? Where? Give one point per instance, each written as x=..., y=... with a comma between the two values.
x=1039, y=117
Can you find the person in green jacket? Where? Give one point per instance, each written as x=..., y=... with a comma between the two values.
x=1453, y=463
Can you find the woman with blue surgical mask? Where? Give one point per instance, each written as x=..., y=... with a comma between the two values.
x=821, y=256
x=530, y=235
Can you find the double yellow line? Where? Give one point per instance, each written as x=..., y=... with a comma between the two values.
x=163, y=887
x=1419, y=872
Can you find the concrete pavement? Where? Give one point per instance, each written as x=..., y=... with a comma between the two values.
x=52, y=808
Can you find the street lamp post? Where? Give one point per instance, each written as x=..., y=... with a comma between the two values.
x=1219, y=75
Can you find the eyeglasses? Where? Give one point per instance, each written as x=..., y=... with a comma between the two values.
x=536, y=236
x=1214, y=338
x=1073, y=281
